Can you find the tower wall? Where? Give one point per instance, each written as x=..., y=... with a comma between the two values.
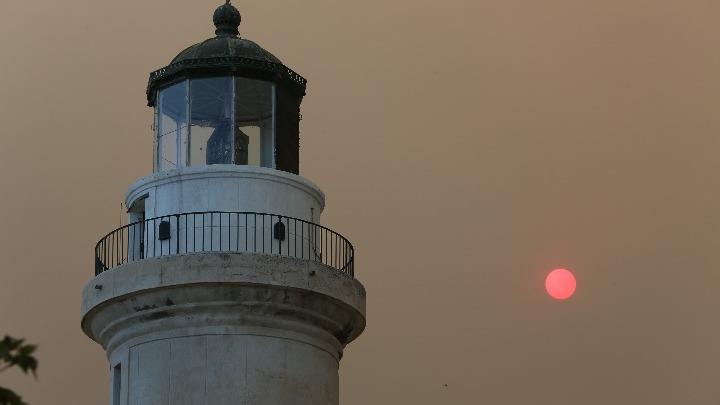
x=230, y=188
x=224, y=329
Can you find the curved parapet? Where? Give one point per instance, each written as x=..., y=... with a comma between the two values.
x=225, y=188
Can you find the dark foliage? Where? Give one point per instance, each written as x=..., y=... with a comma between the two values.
x=15, y=353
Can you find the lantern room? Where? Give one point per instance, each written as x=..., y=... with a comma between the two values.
x=228, y=101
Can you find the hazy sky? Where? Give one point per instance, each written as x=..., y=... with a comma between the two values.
x=466, y=147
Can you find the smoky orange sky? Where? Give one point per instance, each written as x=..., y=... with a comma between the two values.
x=466, y=147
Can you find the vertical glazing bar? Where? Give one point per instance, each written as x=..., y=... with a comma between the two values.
x=203, y=233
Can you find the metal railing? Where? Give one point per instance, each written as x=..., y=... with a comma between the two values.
x=216, y=231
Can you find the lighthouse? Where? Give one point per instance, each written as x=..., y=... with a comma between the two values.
x=224, y=287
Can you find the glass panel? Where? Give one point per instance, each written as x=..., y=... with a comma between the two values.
x=254, y=123
x=172, y=125
x=287, y=130
x=211, y=121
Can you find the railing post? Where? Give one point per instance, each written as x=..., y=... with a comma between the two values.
x=177, y=234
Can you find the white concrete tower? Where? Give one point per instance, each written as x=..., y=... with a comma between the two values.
x=223, y=288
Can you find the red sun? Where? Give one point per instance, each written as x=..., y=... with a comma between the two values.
x=560, y=284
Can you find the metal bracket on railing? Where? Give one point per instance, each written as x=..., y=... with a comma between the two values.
x=164, y=230
x=279, y=230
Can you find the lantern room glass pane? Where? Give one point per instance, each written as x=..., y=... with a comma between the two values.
x=211, y=140
x=216, y=120
x=172, y=126
x=254, y=122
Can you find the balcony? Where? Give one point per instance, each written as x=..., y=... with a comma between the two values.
x=224, y=232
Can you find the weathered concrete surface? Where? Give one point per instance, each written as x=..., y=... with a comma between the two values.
x=214, y=328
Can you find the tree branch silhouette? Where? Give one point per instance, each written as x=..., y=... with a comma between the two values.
x=15, y=353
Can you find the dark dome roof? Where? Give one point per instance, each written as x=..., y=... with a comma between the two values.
x=226, y=46
x=227, y=53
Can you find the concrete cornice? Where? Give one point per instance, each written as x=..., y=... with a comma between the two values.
x=220, y=290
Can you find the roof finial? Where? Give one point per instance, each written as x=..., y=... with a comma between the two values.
x=227, y=20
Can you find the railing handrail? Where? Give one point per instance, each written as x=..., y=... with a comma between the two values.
x=334, y=249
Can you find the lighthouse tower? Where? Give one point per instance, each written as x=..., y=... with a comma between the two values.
x=223, y=288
